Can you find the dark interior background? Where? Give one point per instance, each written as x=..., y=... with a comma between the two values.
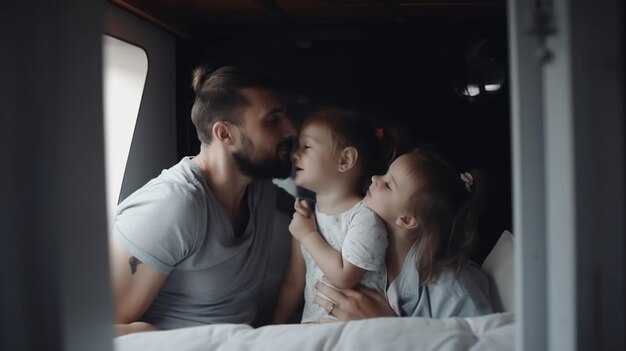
x=400, y=74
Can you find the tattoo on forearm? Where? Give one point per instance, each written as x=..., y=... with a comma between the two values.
x=133, y=262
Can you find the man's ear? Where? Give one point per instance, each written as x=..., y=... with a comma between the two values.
x=406, y=222
x=222, y=132
x=348, y=158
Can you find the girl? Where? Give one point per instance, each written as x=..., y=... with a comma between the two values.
x=343, y=241
x=431, y=214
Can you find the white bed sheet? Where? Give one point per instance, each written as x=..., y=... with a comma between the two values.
x=477, y=333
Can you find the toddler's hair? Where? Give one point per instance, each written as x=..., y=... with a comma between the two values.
x=447, y=206
x=376, y=146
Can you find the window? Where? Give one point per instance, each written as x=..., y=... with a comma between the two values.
x=125, y=68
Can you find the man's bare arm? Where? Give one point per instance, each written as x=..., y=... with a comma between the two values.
x=291, y=291
x=135, y=285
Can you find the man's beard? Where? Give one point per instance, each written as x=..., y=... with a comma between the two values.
x=265, y=167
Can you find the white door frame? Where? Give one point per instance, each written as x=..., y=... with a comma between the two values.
x=568, y=176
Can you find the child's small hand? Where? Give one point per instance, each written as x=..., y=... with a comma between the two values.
x=302, y=207
x=303, y=221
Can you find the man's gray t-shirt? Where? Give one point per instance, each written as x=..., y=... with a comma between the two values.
x=175, y=225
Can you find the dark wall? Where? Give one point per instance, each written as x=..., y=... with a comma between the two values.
x=54, y=294
x=399, y=75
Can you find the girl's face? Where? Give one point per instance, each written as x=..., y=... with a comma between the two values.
x=388, y=195
x=315, y=160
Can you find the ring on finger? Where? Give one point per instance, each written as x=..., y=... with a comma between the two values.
x=332, y=306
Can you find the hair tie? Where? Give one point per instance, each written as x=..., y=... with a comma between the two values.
x=468, y=180
x=380, y=133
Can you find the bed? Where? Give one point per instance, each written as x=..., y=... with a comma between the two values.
x=489, y=332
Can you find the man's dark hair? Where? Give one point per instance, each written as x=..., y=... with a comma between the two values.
x=219, y=97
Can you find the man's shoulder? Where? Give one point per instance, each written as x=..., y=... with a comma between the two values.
x=175, y=185
x=184, y=176
x=184, y=172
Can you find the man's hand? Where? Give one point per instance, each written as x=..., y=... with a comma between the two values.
x=352, y=304
x=303, y=221
x=135, y=327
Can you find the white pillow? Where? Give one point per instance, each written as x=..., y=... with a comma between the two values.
x=499, y=264
x=500, y=339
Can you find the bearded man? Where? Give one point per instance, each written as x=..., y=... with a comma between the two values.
x=191, y=246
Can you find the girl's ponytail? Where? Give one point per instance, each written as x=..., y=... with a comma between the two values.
x=463, y=232
x=447, y=207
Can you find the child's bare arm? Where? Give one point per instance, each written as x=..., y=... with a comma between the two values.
x=292, y=289
x=337, y=270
